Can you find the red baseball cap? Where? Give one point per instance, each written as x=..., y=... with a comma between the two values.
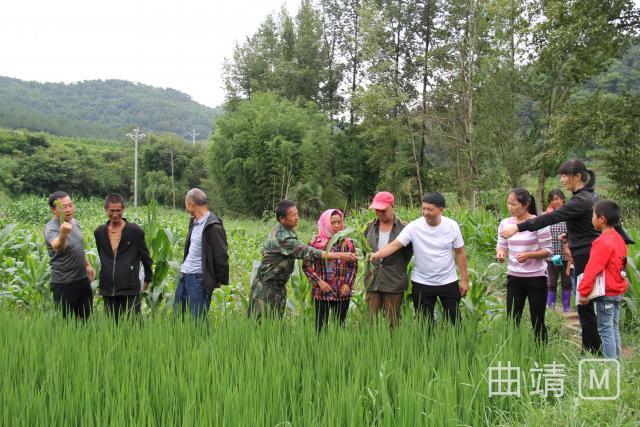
x=382, y=200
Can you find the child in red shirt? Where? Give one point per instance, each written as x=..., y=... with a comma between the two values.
x=608, y=256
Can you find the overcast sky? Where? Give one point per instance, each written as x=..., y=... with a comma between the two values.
x=166, y=43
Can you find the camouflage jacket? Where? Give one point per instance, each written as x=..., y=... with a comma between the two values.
x=278, y=256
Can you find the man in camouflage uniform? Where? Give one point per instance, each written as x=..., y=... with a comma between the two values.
x=268, y=290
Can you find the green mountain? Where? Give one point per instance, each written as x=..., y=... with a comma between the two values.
x=101, y=108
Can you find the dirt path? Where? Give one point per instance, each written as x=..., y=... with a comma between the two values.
x=571, y=328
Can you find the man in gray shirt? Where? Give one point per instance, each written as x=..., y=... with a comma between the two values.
x=206, y=257
x=71, y=273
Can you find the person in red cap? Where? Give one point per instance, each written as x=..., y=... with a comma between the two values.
x=387, y=281
x=438, y=245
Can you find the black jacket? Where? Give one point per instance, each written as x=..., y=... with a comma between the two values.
x=577, y=213
x=119, y=272
x=215, y=253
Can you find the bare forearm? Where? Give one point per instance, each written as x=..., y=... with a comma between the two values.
x=334, y=255
x=461, y=260
x=60, y=243
x=389, y=249
x=541, y=254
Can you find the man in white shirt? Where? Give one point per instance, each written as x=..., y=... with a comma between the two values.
x=437, y=246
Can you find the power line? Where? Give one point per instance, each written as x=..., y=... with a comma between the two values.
x=136, y=136
x=193, y=134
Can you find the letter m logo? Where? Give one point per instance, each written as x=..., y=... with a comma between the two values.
x=599, y=379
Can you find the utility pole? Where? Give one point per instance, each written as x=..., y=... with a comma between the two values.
x=136, y=136
x=193, y=134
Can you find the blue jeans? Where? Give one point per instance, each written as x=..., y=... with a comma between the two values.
x=607, y=314
x=191, y=292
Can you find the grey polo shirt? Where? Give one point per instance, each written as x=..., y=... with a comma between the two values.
x=67, y=266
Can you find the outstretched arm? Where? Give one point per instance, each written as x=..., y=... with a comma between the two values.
x=388, y=250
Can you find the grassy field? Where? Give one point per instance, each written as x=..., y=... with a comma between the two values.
x=163, y=370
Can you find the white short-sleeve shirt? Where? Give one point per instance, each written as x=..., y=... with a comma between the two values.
x=433, y=247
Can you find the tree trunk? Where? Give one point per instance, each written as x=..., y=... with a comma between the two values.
x=428, y=22
x=558, y=93
x=354, y=67
x=173, y=182
x=467, y=63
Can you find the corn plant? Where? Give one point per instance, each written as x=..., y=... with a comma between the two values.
x=160, y=242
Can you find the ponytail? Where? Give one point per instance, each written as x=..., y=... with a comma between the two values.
x=532, y=205
x=627, y=239
x=591, y=182
x=575, y=167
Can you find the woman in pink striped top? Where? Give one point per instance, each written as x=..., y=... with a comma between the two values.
x=527, y=270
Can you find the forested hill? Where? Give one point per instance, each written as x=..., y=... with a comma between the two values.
x=101, y=109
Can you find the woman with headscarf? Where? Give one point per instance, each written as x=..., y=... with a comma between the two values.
x=331, y=280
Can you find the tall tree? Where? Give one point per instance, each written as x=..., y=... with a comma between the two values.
x=501, y=99
x=255, y=155
x=573, y=40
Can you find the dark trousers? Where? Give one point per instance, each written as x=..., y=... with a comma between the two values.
x=338, y=310
x=73, y=298
x=534, y=289
x=587, y=314
x=554, y=273
x=424, y=300
x=122, y=304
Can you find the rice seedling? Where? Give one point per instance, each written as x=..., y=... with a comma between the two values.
x=164, y=370
x=230, y=372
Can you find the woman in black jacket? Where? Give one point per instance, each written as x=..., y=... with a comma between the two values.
x=577, y=213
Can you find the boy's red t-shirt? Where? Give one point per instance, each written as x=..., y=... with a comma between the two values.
x=608, y=254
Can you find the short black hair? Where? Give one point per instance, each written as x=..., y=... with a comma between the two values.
x=282, y=208
x=555, y=192
x=113, y=199
x=434, y=198
x=610, y=210
x=55, y=196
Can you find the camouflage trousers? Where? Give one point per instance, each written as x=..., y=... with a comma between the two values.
x=266, y=300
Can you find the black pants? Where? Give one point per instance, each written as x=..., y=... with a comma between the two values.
x=534, y=289
x=122, y=304
x=554, y=273
x=338, y=310
x=73, y=298
x=587, y=314
x=424, y=300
